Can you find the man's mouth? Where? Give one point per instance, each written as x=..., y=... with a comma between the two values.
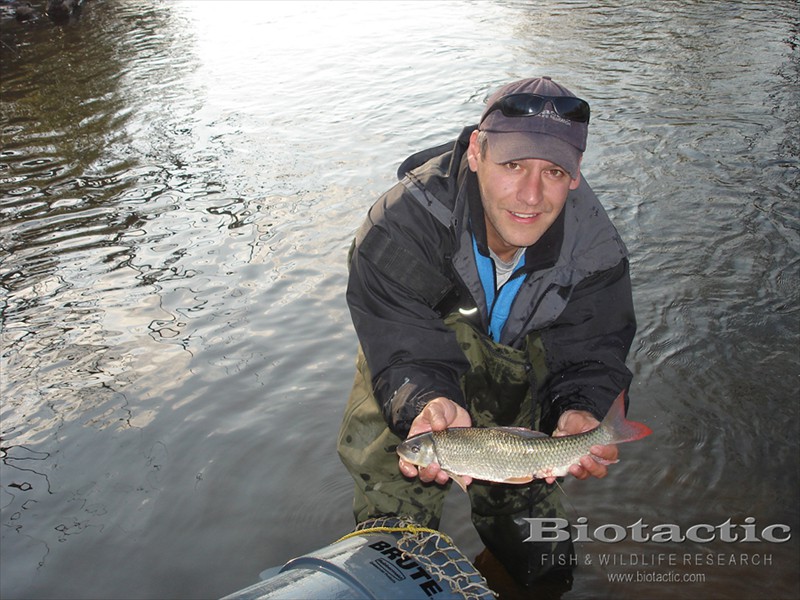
x=524, y=215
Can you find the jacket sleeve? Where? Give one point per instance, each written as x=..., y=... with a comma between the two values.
x=412, y=356
x=588, y=344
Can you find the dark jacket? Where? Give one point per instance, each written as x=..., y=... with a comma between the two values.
x=413, y=262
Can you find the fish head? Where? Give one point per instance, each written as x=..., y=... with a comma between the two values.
x=418, y=450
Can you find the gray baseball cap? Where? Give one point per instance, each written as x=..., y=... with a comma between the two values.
x=549, y=134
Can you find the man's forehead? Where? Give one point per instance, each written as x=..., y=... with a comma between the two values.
x=522, y=161
x=513, y=146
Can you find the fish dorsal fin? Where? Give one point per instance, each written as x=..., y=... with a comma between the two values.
x=523, y=432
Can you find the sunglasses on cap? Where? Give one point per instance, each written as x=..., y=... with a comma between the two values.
x=530, y=105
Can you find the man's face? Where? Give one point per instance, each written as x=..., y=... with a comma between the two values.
x=521, y=199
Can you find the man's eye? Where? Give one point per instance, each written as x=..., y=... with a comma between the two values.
x=511, y=165
x=556, y=173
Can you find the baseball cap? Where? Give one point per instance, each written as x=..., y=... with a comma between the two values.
x=546, y=135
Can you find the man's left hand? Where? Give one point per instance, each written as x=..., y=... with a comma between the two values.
x=578, y=421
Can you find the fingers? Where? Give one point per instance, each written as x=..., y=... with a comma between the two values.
x=588, y=467
x=596, y=463
x=407, y=469
x=438, y=414
x=578, y=421
x=432, y=418
x=431, y=472
x=608, y=454
x=575, y=421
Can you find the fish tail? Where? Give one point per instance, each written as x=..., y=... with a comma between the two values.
x=619, y=427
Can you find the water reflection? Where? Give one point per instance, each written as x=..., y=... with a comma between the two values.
x=178, y=189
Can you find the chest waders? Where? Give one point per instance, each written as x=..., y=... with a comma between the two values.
x=501, y=389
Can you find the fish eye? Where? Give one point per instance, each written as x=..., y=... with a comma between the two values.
x=415, y=449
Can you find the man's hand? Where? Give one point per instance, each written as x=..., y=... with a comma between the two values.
x=578, y=421
x=438, y=414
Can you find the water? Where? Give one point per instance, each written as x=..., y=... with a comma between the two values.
x=180, y=182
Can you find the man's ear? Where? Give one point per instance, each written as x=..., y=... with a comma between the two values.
x=473, y=151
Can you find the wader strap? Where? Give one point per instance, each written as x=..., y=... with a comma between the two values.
x=399, y=264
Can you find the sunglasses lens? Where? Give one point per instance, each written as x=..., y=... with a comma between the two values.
x=573, y=109
x=521, y=105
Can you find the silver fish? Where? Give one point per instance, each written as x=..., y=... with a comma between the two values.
x=515, y=454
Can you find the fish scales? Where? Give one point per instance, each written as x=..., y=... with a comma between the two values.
x=500, y=454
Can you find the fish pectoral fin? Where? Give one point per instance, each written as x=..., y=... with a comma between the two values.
x=519, y=480
x=523, y=431
x=458, y=479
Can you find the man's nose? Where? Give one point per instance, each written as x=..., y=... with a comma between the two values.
x=530, y=190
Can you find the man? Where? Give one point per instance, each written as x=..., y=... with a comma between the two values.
x=487, y=288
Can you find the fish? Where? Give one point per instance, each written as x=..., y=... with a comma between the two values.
x=516, y=455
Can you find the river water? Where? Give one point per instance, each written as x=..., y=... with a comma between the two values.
x=179, y=185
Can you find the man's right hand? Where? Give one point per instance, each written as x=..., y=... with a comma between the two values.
x=438, y=414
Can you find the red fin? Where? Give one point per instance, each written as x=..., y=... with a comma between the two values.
x=621, y=429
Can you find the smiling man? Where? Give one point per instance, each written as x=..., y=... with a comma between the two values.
x=521, y=198
x=487, y=288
